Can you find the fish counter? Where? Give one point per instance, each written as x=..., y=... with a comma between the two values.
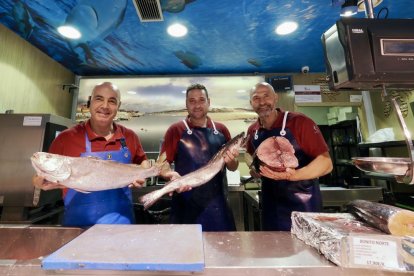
x=23, y=249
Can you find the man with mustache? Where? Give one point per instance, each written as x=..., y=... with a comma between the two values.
x=293, y=189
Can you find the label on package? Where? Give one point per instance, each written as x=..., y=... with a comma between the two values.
x=32, y=120
x=370, y=252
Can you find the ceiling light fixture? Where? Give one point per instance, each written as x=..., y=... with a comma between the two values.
x=349, y=8
x=177, y=30
x=69, y=32
x=286, y=28
x=131, y=92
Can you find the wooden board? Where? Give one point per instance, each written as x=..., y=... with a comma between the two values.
x=132, y=247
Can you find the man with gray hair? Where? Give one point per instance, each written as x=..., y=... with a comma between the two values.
x=99, y=137
x=293, y=189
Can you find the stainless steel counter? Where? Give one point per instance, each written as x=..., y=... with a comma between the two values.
x=334, y=196
x=226, y=253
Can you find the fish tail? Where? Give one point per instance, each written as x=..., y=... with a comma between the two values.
x=162, y=164
x=149, y=199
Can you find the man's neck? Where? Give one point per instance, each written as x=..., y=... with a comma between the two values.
x=202, y=122
x=268, y=121
x=104, y=131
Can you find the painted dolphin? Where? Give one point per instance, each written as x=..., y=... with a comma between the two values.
x=95, y=19
x=254, y=62
x=174, y=6
x=189, y=59
x=23, y=19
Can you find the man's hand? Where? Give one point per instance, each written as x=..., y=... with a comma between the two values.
x=286, y=175
x=138, y=183
x=230, y=158
x=41, y=183
x=172, y=175
x=182, y=189
x=254, y=173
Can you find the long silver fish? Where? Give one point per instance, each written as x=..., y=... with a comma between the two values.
x=88, y=174
x=197, y=177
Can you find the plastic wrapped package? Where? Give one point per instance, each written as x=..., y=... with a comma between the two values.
x=348, y=242
x=325, y=231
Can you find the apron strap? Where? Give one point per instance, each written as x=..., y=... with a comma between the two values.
x=88, y=147
x=189, y=131
x=214, y=126
x=283, y=131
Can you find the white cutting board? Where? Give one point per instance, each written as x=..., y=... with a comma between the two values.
x=132, y=247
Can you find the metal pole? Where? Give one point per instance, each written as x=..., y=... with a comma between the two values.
x=369, y=9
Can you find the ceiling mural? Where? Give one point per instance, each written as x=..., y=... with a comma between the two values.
x=224, y=37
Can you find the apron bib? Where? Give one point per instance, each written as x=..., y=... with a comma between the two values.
x=207, y=204
x=102, y=207
x=281, y=197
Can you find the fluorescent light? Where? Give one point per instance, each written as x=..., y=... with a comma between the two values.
x=132, y=92
x=349, y=11
x=177, y=30
x=69, y=32
x=286, y=28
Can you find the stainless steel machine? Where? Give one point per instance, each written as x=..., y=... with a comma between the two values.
x=20, y=136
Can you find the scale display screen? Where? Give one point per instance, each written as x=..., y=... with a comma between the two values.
x=397, y=47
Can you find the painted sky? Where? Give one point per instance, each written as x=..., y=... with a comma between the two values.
x=168, y=93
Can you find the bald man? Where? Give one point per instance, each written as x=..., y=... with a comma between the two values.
x=99, y=137
x=294, y=189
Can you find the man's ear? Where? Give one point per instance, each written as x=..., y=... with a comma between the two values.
x=276, y=97
x=119, y=105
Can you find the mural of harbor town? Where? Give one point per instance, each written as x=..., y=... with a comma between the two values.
x=150, y=105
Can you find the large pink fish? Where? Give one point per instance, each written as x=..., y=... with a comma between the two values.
x=89, y=174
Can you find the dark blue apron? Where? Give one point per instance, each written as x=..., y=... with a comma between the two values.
x=281, y=197
x=102, y=207
x=206, y=205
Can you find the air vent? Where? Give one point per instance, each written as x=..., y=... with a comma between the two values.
x=148, y=10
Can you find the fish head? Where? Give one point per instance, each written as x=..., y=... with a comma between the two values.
x=236, y=142
x=52, y=167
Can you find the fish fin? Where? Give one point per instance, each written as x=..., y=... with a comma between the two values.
x=94, y=158
x=248, y=159
x=162, y=163
x=162, y=157
x=82, y=191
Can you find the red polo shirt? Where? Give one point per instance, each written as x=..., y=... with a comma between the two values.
x=305, y=131
x=71, y=142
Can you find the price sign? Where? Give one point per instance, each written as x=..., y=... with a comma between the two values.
x=374, y=252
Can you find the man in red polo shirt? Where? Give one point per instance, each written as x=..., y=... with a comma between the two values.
x=102, y=138
x=190, y=144
x=294, y=189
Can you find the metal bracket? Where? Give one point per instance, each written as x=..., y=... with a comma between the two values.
x=70, y=87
